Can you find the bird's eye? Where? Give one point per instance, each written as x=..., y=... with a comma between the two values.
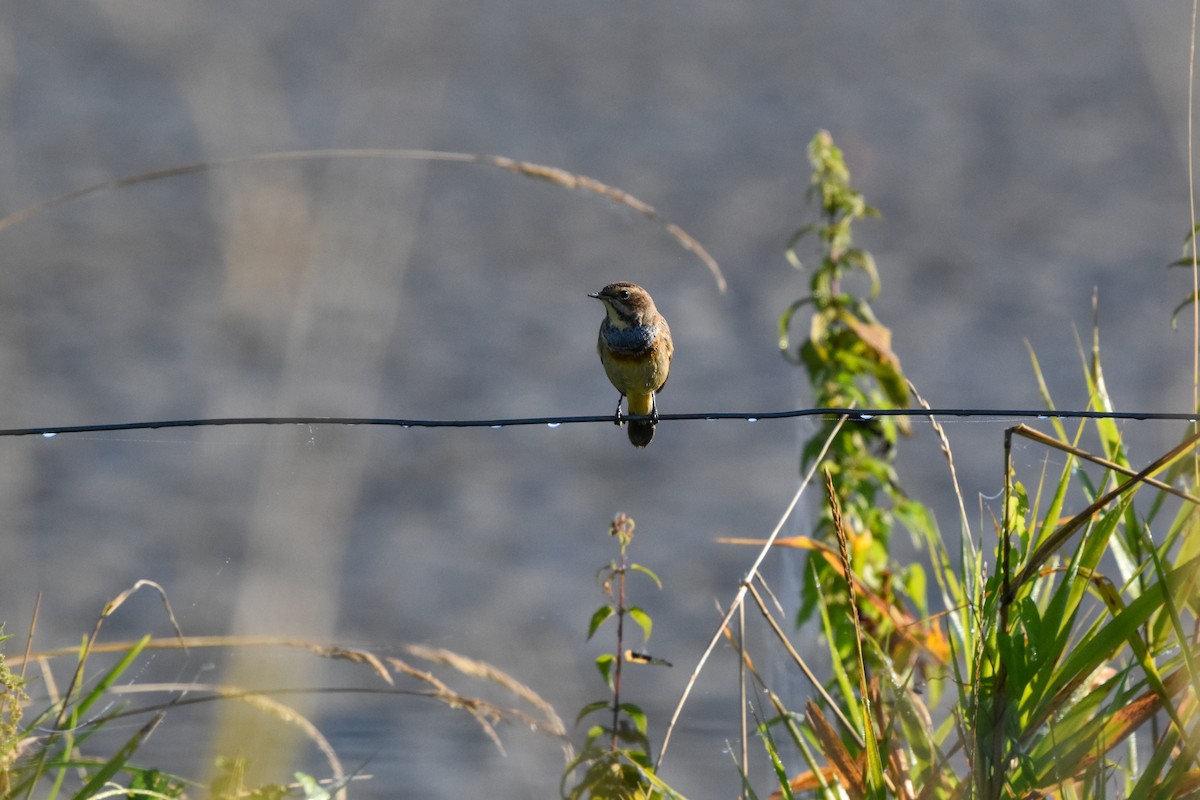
x=624, y=294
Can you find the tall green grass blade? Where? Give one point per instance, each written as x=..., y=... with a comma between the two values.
x=118, y=759
x=747, y=786
x=764, y=730
x=1092, y=652
x=1152, y=780
x=109, y=678
x=839, y=669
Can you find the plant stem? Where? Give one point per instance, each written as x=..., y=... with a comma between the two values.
x=620, y=647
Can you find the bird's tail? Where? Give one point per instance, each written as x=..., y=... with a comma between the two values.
x=641, y=431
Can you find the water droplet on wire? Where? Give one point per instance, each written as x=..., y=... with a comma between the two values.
x=49, y=435
x=553, y=425
x=751, y=419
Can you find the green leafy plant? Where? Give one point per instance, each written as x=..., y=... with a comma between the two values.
x=615, y=761
x=1069, y=665
x=52, y=751
x=848, y=360
x=12, y=703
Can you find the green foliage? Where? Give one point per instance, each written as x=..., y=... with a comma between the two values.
x=615, y=759
x=12, y=702
x=51, y=753
x=54, y=735
x=848, y=361
x=1187, y=260
x=152, y=783
x=1072, y=663
x=311, y=788
x=229, y=783
x=1068, y=665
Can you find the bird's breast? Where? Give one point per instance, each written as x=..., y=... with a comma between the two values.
x=635, y=340
x=637, y=359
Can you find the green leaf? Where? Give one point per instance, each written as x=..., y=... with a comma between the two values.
x=918, y=519
x=643, y=620
x=1191, y=298
x=117, y=761
x=1096, y=649
x=1187, y=241
x=155, y=783
x=312, y=790
x=915, y=585
x=861, y=259
x=110, y=677
x=637, y=715
x=790, y=247
x=592, y=708
x=785, y=322
x=601, y=614
x=785, y=785
x=647, y=572
x=604, y=664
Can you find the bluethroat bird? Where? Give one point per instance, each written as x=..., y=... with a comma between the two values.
x=635, y=348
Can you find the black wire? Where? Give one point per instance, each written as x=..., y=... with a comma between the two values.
x=854, y=414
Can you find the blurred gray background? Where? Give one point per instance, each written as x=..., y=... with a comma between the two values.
x=1022, y=154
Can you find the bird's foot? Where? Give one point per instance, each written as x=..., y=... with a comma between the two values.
x=618, y=419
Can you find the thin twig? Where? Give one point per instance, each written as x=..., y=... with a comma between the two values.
x=740, y=597
x=555, y=175
x=800, y=662
x=1079, y=452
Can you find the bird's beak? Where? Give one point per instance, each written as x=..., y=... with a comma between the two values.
x=594, y=294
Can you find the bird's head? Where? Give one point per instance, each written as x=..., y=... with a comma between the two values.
x=626, y=304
